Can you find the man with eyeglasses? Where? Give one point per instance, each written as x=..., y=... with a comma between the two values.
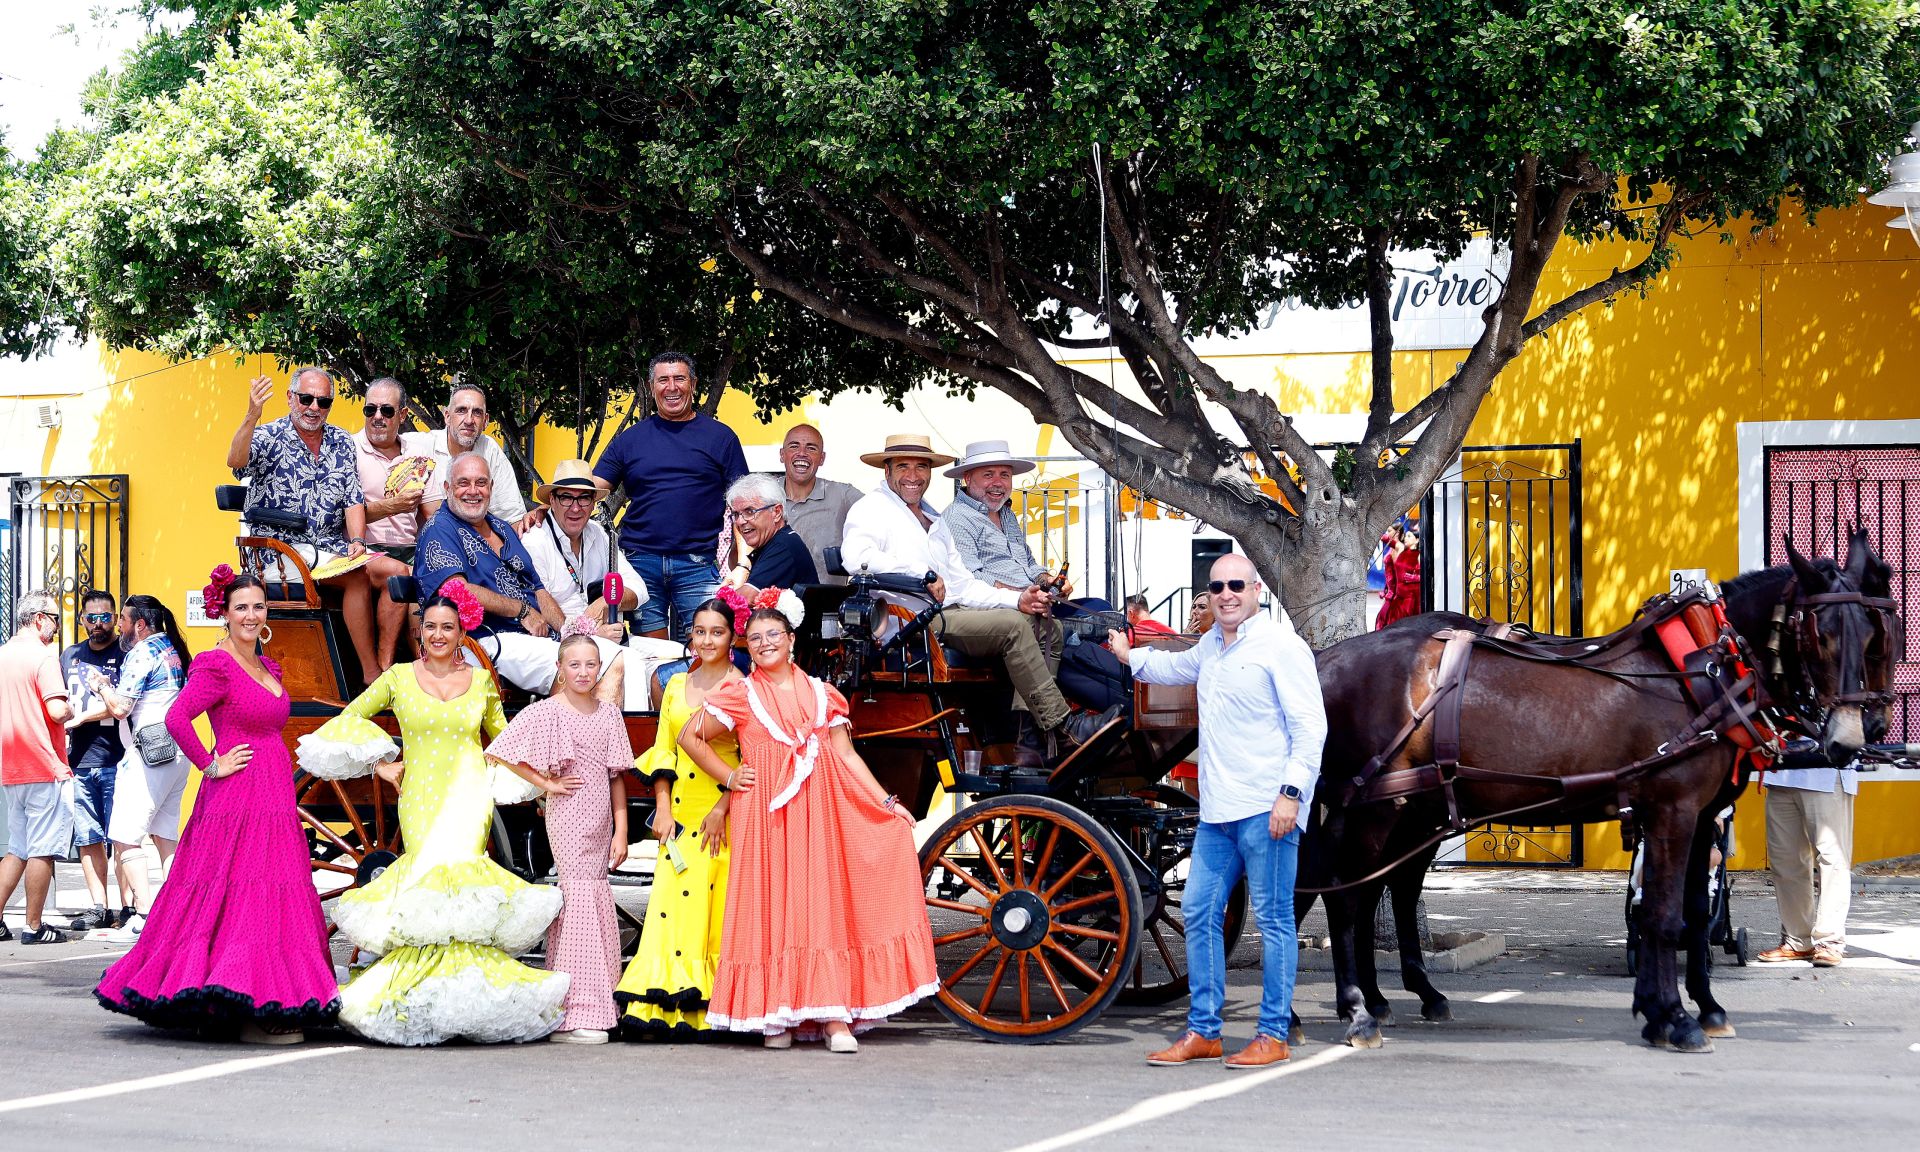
x=573, y=554
x=779, y=557
x=396, y=504
x=33, y=762
x=1262, y=727
x=94, y=751
x=302, y=464
x=466, y=431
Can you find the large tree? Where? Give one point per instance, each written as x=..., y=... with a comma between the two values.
x=233, y=197
x=935, y=177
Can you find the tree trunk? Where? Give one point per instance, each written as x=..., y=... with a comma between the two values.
x=1320, y=578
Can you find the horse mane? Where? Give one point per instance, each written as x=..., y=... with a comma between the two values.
x=1750, y=581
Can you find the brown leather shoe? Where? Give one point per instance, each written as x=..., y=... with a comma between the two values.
x=1263, y=1051
x=1782, y=954
x=1828, y=955
x=1190, y=1047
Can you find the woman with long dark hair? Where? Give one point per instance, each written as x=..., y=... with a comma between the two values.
x=152, y=778
x=446, y=921
x=235, y=943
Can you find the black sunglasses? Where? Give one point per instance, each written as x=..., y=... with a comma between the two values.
x=306, y=401
x=1218, y=586
x=385, y=410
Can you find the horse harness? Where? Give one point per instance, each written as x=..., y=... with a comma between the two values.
x=1725, y=693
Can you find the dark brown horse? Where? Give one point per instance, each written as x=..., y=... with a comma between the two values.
x=1542, y=729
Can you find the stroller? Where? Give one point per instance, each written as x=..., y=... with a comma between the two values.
x=1720, y=928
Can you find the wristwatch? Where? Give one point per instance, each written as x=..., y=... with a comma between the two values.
x=1292, y=793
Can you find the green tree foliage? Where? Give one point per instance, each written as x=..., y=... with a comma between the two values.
x=257, y=208
x=923, y=173
x=27, y=290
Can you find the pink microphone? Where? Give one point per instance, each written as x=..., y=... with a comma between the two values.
x=614, y=590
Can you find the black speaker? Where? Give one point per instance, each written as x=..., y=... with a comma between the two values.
x=1205, y=552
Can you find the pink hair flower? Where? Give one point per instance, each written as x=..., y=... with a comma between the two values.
x=214, y=595
x=471, y=614
x=737, y=604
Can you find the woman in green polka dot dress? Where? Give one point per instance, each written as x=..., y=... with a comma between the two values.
x=445, y=920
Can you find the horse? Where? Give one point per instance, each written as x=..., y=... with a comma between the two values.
x=1582, y=729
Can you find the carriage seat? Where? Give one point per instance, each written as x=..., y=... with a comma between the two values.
x=291, y=582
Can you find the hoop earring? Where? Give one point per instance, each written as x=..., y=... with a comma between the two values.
x=266, y=634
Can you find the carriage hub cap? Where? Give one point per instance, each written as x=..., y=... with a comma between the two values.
x=1020, y=920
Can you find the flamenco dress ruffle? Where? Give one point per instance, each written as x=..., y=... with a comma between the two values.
x=446, y=920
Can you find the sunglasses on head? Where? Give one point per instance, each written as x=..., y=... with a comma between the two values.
x=306, y=401
x=386, y=411
x=1218, y=586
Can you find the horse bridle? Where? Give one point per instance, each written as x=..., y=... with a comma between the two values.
x=1796, y=627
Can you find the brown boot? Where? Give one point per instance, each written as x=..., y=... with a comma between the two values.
x=1263, y=1051
x=1782, y=954
x=1190, y=1047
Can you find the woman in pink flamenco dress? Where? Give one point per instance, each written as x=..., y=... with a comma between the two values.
x=235, y=944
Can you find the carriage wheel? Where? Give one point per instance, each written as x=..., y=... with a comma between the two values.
x=1016, y=886
x=353, y=832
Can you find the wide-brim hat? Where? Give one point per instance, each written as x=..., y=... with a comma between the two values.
x=574, y=476
x=981, y=453
x=910, y=446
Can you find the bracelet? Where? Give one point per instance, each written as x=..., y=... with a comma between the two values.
x=890, y=801
x=522, y=615
x=727, y=784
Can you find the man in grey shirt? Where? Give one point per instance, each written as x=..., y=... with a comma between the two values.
x=816, y=507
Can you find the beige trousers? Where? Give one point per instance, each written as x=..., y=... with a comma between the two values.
x=1007, y=635
x=1809, y=841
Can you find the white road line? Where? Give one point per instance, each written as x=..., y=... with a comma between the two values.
x=1154, y=1107
x=170, y=1079
x=1497, y=997
x=64, y=959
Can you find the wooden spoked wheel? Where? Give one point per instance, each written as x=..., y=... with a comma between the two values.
x=1036, y=917
x=1160, y=831
x=353, y=832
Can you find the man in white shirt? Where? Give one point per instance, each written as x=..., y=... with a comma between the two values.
x=573, y=555
x=1263, y=727
x=893, y=529
x=1809, y=839
x=466, y=419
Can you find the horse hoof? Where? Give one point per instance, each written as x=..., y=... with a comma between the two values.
x=1438, y=1012
x=1689, y=1038
x=1364, y=1038
x=1382, y=1015
x=1716, y=1024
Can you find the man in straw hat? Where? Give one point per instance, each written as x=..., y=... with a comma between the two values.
x=892, y=530
x=573, y=554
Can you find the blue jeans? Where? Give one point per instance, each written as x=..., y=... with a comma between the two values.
x=93, y=779
x=1222, y=853
x=676, y=580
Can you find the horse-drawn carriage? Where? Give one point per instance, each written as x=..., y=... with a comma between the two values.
x=1053, y=891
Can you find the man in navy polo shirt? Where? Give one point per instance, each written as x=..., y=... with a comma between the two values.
x=780, y=557
x=675, y=467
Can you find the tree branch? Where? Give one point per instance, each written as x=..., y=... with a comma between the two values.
x=1672, y=214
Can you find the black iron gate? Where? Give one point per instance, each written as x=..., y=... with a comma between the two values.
x=69, y=535
x=1501, y=540
x=1818, y=496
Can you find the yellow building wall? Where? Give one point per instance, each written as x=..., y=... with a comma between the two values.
x=1801, y=322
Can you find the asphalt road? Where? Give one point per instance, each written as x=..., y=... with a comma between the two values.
x=1824, y=1058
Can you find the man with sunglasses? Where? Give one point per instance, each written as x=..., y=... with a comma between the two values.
x=393, y=521
x=573, y=554
x=94, y=751
x=1262, y=728
x=302, y=464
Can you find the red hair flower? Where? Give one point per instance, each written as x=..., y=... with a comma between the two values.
x=214, y=595
x=737, y=604
x=471, y=614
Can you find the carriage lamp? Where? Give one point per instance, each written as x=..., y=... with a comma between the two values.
x=856, y=615
x=1903, y=186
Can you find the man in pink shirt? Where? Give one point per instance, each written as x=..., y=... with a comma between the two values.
x=33, y=760
x=393, y=521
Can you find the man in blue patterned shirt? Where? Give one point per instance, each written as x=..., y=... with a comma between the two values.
x=304, y=465
x=522, y=617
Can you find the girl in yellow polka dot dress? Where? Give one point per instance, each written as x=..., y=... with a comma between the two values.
x=446, y=920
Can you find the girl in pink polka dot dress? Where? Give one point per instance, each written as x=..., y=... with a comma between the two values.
x=576, y=748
